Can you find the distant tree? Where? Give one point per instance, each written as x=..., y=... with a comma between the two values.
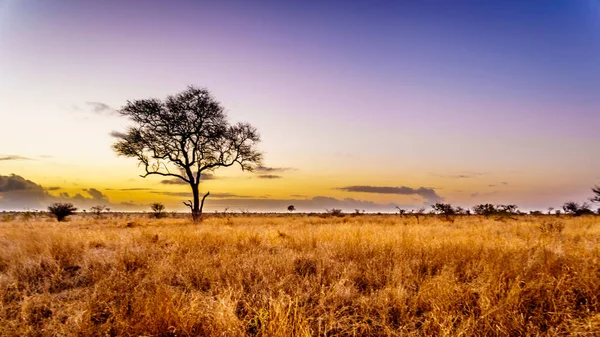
x=485, y=209
x=291, y=208
x=62, y=210
x=596, y=197
x=184, y=136
x=97, y=210
x=157, y=209
x=535, y=212
x=444, y=209
x=334, y=212
x=576, y=209
x=418, y=213
x=401, y=211
x=550, y=209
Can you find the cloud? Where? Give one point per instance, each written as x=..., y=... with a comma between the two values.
x=129, y=189
x=486, y=194
x=13, y=157
x=53, y=188
x=96, y=195
x=467, y=175
x=101, y=108
x=269, y=176
x=18, y=193
x=212, y=195
x=266, y=169
x=177, y=181
x=428, y=194
x=117, y=134
x=174, y=194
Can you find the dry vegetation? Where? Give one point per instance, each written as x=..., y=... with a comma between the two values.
x=300, y=276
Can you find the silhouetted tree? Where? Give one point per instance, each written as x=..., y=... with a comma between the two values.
x=291, y=208
x=157, y=209
x=596, y=197
x=184, y=136
x=401, y=211
x=62, y=210
x=444, y=209
x=334, y=212
x=417, y=213
x=97, y=210
x=485, y=209
x=576, y=209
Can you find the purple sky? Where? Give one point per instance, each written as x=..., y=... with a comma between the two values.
x=458, y=97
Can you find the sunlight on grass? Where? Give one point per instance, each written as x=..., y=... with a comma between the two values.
x=300, y=276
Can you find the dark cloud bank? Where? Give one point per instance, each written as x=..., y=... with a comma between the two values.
x=18, y=193
x=428, y=194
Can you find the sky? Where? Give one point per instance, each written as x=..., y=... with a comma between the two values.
x=360, y=104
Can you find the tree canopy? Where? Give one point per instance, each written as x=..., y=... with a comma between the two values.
x=185, y=135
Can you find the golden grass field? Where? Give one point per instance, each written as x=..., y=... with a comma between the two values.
x=297, y=275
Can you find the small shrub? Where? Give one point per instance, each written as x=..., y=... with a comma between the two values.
x=576, y=209
x=157, y=210
x=97, y=210
x=334, y=212
x=62, y=210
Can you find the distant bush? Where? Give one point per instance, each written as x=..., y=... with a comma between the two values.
x=576, y=209
x=157, y=210
x=97, y=210
x=484, y=209
x=498, y=210
x=62, y=210
x=444, y=209
x=334, y=212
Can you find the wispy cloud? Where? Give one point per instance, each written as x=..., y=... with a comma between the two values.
x=266, y=169
x=486, y=194
x=177, y=181
x=117, y=134
x=269, y=176
x=465, y=175
x=101, y=108
x=13, y=157
x=212, y=195
x=174, y=194
x=129, y=189
x=428, y=194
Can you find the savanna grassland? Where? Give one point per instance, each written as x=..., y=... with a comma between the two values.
x=300, y=276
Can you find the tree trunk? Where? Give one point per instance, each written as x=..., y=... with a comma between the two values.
x=197, y=206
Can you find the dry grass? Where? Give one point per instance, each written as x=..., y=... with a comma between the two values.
x=301, y=276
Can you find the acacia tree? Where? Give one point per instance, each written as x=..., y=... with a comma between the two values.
x=184, y=136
